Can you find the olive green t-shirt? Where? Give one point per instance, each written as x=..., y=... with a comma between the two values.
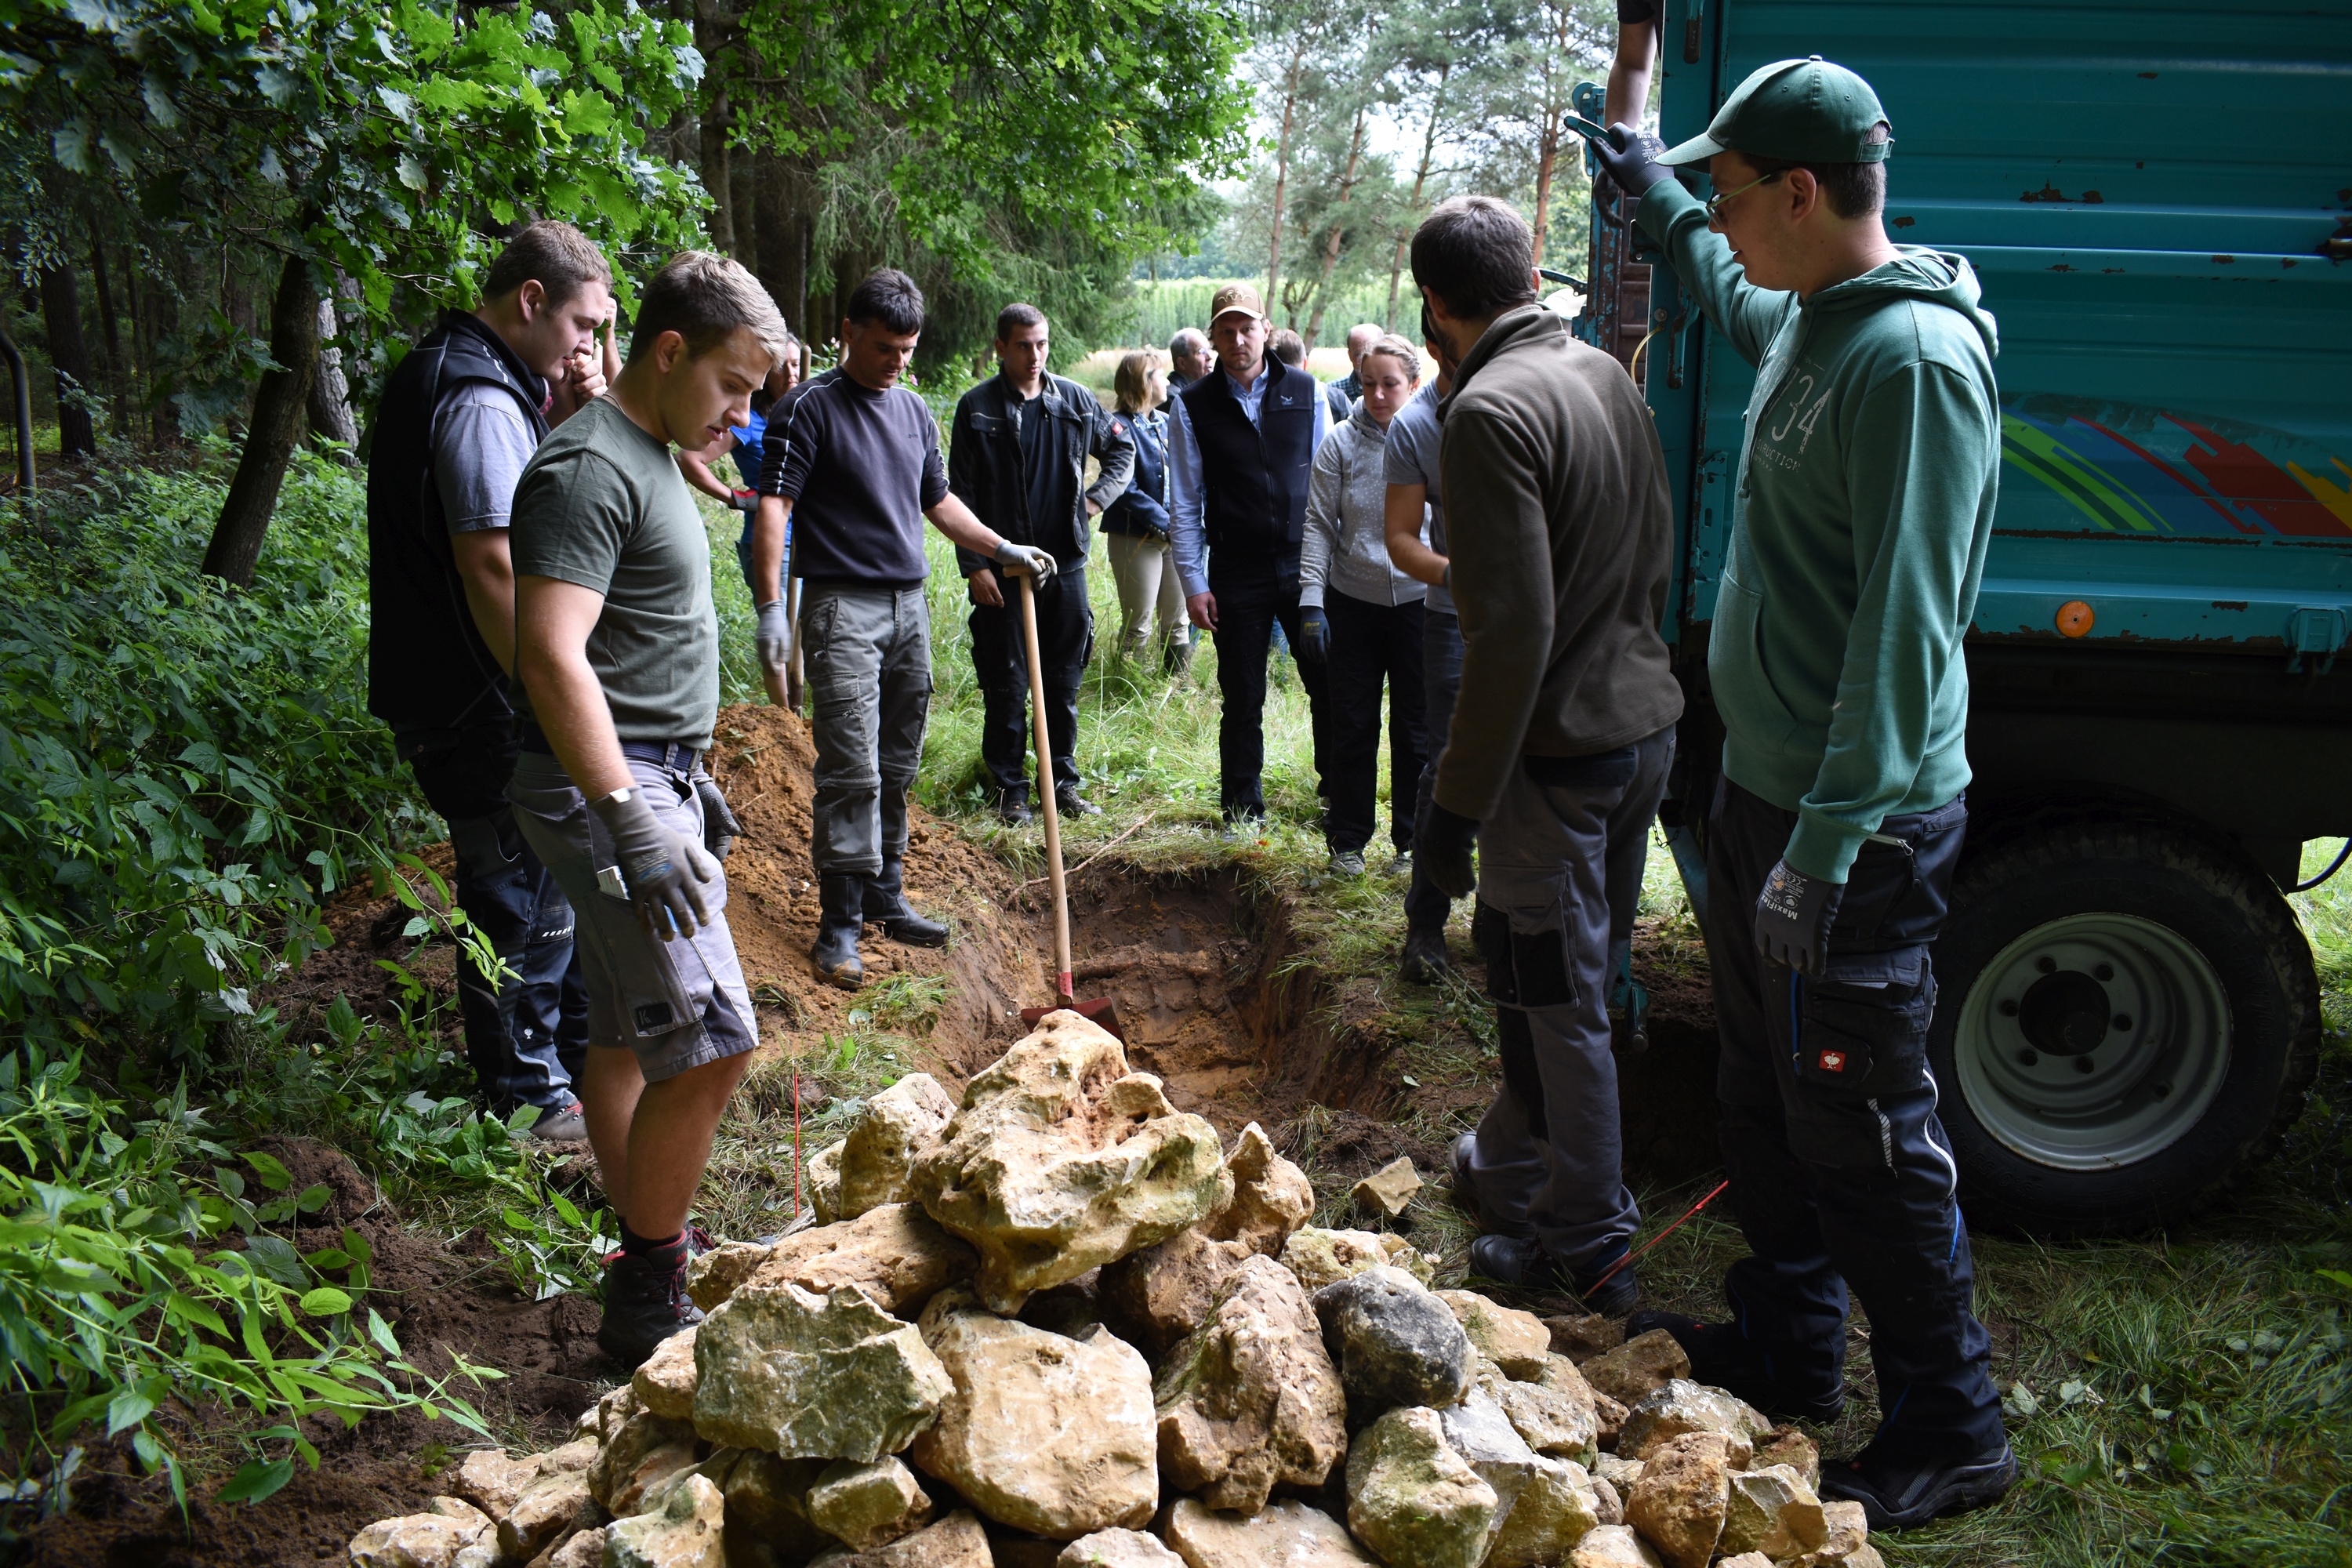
x=603, y=504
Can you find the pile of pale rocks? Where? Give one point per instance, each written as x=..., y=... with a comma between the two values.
x=1058, y=1324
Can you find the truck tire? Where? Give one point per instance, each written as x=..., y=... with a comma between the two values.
x=2126, y=1021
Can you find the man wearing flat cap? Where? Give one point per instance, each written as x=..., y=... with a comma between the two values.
x=1866, y=503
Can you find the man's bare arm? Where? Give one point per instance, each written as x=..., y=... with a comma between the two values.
x=955, y=519
x=696, y=469
x=486, y=567
x=1401, y=521
x=552, y=620
x=768, y=527
x=1629, y=73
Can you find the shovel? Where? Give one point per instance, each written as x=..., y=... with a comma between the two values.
x=1098, y=1010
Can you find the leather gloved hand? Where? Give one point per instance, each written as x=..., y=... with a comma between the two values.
x=1442, y=843
x=774, y=637
x=720, y=828
x=1792, y=919
x=666, y=872
x=1630, y=157
x=1025, y=558
x=1313, y=634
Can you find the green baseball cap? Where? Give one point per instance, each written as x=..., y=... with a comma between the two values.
x=1804, y=111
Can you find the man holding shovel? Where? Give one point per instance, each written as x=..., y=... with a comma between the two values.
x=852, y=463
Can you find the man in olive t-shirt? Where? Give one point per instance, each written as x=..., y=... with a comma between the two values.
x=617, y=651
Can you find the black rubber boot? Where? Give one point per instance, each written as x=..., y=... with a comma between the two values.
x=843, y=901
x=1424, y=961
x=886, y=905
x=1722, y=1357
x=645, y=1303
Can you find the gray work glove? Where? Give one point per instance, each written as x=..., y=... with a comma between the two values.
x=1631, y=158
x=665, y=871
x=720, y=828
x=774, y=639
x=1028, y=558
x=1793, y=916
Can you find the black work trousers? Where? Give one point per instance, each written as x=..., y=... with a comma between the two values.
x=1255, y=594
x=999, y=658
x=1425, y=903
x=1841, y=1172
x=1372, y=645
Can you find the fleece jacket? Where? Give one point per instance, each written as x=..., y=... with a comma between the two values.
x=1866, y=492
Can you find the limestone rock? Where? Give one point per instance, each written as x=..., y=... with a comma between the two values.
x=541, y=1512
x=1117, y=1549
x=1321, y=1257
x=688, y=1531
x=896, y=1128
x=1060, y=1160
x=956, y=1541
x=824, y=1183
x=1394, y=1343
x=1549, y=1418
x=813, y=1377
x=1681, y=1406
x=1634, y=1368
x=1051, y=1436
x=1613, y=1505
x=482, y=1552
x=665, y=1380
x=1786, y=1446
x=1387, y=1191
x=1775, y=1511
x=414, y=1540
x=1251, y=1399
x=1557, y=1509
x=586, y=1549
x=576, y=1455
x=491, y=1481
x=1679, y=1503
x=1617, y=1470
x=870, y=1505
x=640, y=1449
x=1272, y=1197
x=1478, y=1430
x=1281, y=1535
x=1613, y=1546
x=1157, y=1296
x=897, y=1254
x=767, y=1499
x=1610, y=1414
x=1516, y=1342
x=459, y=1509
x=1580, y=1337
x=712, y=1277
x=1413, y=1499
x=1744, y=1560
x=1848, y=1544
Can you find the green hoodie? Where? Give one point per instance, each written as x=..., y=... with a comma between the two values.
x=1866, y=505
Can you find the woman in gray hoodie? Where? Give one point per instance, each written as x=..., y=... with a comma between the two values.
x=1361, y=615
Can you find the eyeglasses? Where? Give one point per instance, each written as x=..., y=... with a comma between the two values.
x=1715, y=203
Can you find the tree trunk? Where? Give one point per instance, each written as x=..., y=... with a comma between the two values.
x=1420, y=184
x=1348, y=183
x=61, y=316
x=1282, y=167
x=776, y=234
x=107, y=318
x=743, y=190
x=716, y=178
x=1547, y=156
x=331, y=394
x=277, y=412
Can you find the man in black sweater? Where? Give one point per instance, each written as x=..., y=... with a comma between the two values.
x=1018, y=460
x=853, y=459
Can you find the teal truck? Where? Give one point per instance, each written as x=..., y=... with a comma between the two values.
x=2156, y=196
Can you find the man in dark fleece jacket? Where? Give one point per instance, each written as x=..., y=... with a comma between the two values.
x=1558, y=541
x=1866, y=505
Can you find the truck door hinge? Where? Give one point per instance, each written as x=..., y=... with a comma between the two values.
x=2316, y=630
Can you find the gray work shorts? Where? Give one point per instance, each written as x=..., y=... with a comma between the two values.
x=678, y=1005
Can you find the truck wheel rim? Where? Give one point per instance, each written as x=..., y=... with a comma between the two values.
x=2093, y=1042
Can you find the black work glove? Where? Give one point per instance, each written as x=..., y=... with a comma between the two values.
x=1313, y=634
x=1630, y=157
x=720, y=828
x=1442, y=843
x=1792, y=919
x=744, y=501
x=665, y=871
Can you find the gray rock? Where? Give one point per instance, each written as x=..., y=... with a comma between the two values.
x=1117, y=1549
x=1393, y=1341
x=1557, y=1509
x=813, y=1377
x=1415, y=1501
x=1682, y=1406
x=1280, y=1535
x=688, y=1531
x=1251, y=1400
x=414, y=1540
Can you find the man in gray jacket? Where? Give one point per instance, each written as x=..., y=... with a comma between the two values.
x=1560, y=539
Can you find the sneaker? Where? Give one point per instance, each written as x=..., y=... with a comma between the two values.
x=1522, y=1261
x=1466, y=1191
x=1721, y=1356
x=1400, y=863
x=1070, y=803
x=567, y=1125
x=1897, y=1493
x=1347, y=863
x=1424, y=961
x=1013, y=808
x=645, y=1303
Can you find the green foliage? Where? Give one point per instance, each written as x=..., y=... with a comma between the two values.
x=184, y=770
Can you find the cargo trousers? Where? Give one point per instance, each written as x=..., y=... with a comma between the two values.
x=1841, y=1172
x=868, y=652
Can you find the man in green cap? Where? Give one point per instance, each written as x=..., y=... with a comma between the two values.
x=1866, y=505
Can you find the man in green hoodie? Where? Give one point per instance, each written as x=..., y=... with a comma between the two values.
x=1866, y=505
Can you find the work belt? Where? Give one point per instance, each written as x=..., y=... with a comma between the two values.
x=675, y=755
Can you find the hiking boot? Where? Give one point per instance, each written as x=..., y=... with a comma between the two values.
x=1521, y=1260
x=1070, y=803
x=1177, y=660
x=1465, y=1193
x=1897, y=1493
x=1721, y=1356
x=886, y=905
x=1012, y=806
x=1346, y=863
x=1424, y=961
x=841, y=899
x=566, y=1124
x=646, y=1303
